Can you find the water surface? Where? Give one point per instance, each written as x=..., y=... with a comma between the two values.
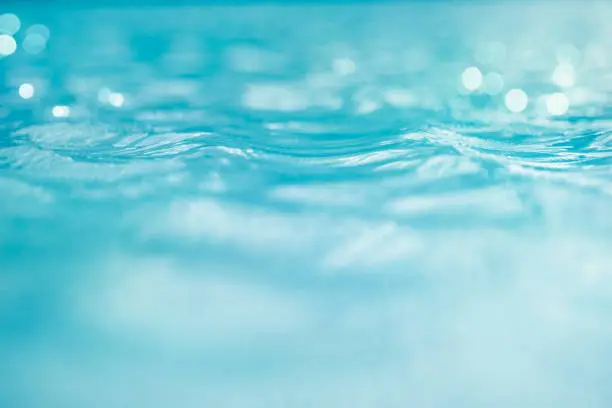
x=399, y=205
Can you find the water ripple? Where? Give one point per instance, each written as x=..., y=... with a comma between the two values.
x=393, y=120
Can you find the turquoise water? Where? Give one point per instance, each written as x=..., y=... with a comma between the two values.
x=399, y=205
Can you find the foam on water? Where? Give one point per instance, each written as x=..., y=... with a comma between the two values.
x=268, y=206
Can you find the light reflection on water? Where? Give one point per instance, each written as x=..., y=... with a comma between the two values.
x=377, y=206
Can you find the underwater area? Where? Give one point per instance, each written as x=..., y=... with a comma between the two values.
x=360, y=205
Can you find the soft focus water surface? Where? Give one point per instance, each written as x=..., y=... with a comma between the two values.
x=309, y=206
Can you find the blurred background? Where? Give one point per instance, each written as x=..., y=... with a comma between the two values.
x=314, y=204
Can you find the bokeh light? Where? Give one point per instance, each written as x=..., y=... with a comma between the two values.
x=8, y=45
x=564, y=75
x=116, y=99
x=557, y=104
x=60, y=111
x=39, y=29
x=34, y=43
x=516, y=100
x=9, y=24
x=103, y=95
x=471, y=78
x=26, y=91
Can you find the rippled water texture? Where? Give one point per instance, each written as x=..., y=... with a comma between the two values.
x=379, y=206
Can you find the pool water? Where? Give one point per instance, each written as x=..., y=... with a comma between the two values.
x=370, y=205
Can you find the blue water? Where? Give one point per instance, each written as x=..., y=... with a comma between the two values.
x=385, y=206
